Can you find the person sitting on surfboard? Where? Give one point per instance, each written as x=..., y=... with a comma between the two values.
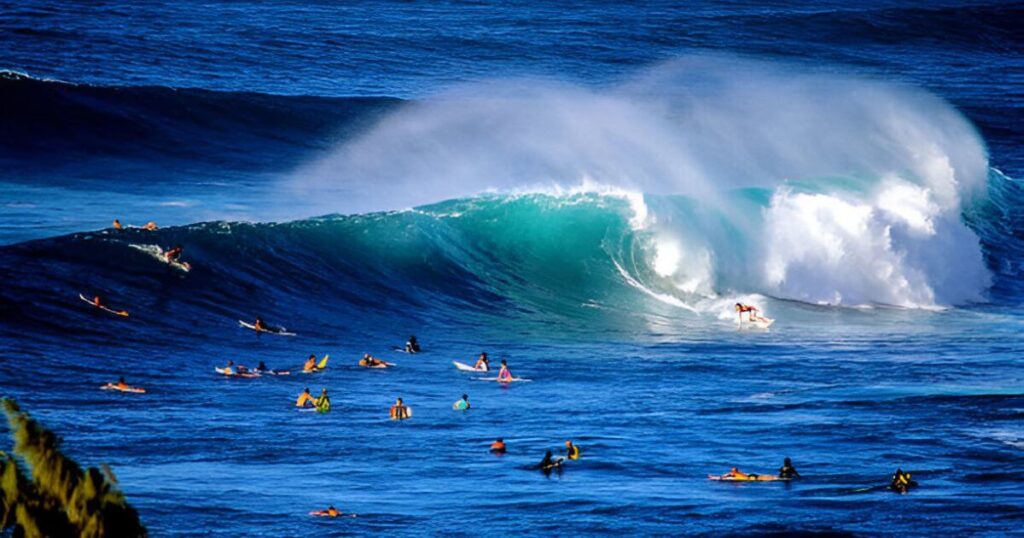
x=572, y=451
x=310, y=364
x=901, y=482
x=260, y=325
x=399, y=411
x=97, y=302
x=752, y=312
x=504, y=374
x=262, y=367
x=230, y=368
x=462, y=404
x=305, y=399
x=549, y=462
x=117, y=225
x=173, y=254
x=787, y=470
x=482, y=364
x=150, y=226
x=498, y=446
x=322, y=403
x=412, y=346
x=121, y=383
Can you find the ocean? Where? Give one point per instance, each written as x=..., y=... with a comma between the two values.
x=583, y=189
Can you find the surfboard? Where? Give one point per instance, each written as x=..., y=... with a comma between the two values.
x=759, y=323
x=133, y=390
x=748, y=478
x=465, y=367
x=280, y=331
x=226, y=372
x=122, y=313
x=378, y=366
x=554, y=464
x=323, y=513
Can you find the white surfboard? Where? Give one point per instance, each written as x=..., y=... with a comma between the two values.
x=230, y=373
x=280, y=332
x=762, y=323
x=466, y=368
x=122, y=313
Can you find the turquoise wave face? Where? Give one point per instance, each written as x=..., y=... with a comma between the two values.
x=611, y=260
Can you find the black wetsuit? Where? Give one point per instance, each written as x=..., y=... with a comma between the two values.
x=788, y=471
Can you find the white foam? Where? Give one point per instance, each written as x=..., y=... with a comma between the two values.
x=663, y=297
x=888, y=232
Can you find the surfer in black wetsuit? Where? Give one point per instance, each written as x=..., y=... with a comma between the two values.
x=549, y=462
x=901, y=482
x=787, y=470
x=412, y=346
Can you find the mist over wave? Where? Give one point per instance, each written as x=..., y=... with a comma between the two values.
x=766, y=178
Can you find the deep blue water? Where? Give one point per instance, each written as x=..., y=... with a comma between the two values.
x=583, y=189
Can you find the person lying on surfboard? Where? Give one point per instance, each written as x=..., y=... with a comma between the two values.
x=369, y=361
x=150, y=226
x=735, y=473
x=482, y=364
x=787, y=470
x=97, y=302
x=504, y=374
x=752, y=312
x=123, y=386
x=330, y=512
